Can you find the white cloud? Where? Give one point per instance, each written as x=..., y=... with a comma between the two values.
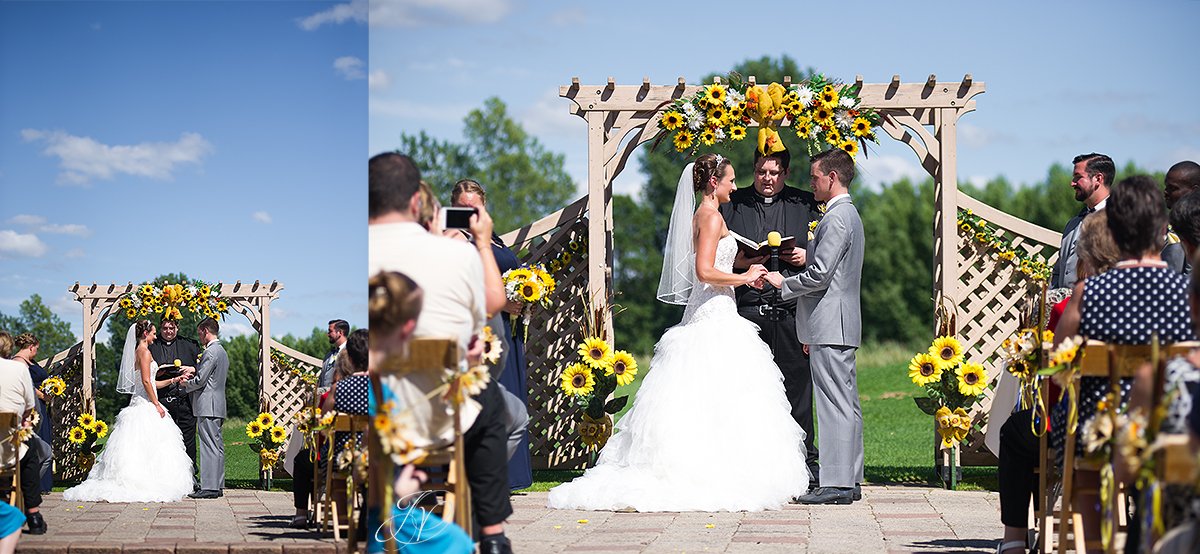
x=378, y=80
x=83, y=159
x=415, y=13
x=26, y=219
x=232, y=329
x=74, y=253
x=68, y=229
x=975, y=136
x=569, y=17
x=17, y=245
x=355, y=11
x=262, y=217
x=879, y=170
x=350, y=67
x=548, y=117
x=401, y=108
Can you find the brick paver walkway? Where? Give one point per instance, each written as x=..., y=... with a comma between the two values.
x=888, y=519
x=241, y=521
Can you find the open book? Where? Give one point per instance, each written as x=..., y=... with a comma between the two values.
x=751, y=249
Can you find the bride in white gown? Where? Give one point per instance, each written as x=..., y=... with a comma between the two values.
x=710, y=428
x=144, y=459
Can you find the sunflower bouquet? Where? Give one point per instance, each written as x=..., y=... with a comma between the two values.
x=53, y=386
x=597, y=375
x=268, y=439
x=84, y=437
x=169, y=299
x=952, y=385
x=529, y=285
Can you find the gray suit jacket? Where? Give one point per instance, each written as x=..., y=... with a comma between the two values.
x=828, y=308
x=207, y=387
x=1065, y=271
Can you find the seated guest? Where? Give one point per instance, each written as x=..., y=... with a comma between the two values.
x=16, y=396
x=1185, y=222
x=451, y=274
x=1181, y=180
x=27, y=350
x=394, y=303
x=1018, y=457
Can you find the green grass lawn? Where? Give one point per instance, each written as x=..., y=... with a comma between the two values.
x=898, y=437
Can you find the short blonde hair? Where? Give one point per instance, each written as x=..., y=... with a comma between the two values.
x=6, y=344
x=1098, y=251
x=429, y=206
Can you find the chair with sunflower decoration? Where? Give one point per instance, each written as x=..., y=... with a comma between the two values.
x=10, y=458
x=445, y=466
x=1113, y=361
x=341, y=505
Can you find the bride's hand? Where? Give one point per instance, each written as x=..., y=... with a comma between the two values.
x=161, y=411
x=754, y=273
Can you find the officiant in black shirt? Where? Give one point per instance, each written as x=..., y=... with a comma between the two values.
x=753, y=212
x=165, y=349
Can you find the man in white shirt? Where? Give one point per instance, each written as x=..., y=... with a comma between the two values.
x=338, y=330
x=16, y=396
x=450, y=273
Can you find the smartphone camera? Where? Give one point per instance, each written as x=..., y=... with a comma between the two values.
x=457, y=218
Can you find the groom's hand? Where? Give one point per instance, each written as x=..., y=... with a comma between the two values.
x=775, y=278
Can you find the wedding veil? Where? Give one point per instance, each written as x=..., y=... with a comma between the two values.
x=679, y=258
x=127, y=374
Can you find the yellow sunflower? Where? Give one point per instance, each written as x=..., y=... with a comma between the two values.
x=822, y=115
x=254, y=429
x=544, y=278
x=491, y=345
x=717, y=115
x=1048, y=336
x=714, y=94
x=383, y=423
x=947, y=350
x=205, y=291
x=737, y=132
x=278, y=434
x=131, y=313
x=708, y=137
x=672, y=120
x=101, y=429
x=266, y=420
x=126, y=303
x=850, y=147
x=829, y=97
x=77, y=435
x=803, y=130
x=578, y=380
x=596, y=352
x=623, y=366
x=971, y=379
x=861, y=127
x=924, y=369
x=87, y=421
x=147, y=290
x=531, y=290
x=833, y=137
x=555, y=266
x=684, y=140
x=519, y=274
x=222, y=306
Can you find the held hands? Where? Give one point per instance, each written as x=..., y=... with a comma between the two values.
x=775, y=278
x=754, y=275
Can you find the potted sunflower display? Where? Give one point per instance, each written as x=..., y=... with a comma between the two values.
x=590, y=381
x=268, y=439
x=952, y=386
x=84, y=436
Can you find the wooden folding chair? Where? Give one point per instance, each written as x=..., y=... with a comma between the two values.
x=1114, y=362
x=10, y=458
x=446, y=467
x=341, y=499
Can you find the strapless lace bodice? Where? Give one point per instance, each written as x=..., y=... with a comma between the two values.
x=707, y=299
x=139, y=391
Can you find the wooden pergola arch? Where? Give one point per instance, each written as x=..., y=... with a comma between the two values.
x=279, y=393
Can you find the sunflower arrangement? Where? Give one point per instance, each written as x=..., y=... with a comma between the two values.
x=713, y=115
x=53, y=386
x=529, y=285
x=825, y=113
x=310, y=421
x=492, y=345
x=85, y=435
x=397, y=435
x=575, y=249
x=306, y=373
x=952, y=385
x=992, y=242
x=597, y=374
x=169, y=299
x=268, y=439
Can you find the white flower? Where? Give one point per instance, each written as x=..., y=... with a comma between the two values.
x=719, y=134
x=805, y=94
x=733, y=98
x=696, y=121
x=813, y=131
x=689, y=110
x=846, y=102
x=843, y=120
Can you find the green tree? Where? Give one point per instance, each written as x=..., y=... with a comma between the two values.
x=524, y=181
x=33, y=316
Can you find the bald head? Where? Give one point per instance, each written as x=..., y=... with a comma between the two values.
x=1182, y=178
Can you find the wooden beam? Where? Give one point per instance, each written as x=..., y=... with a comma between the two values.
x=873, y=95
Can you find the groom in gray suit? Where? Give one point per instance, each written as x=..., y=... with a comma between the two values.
x=207, y=390
x=829, y=324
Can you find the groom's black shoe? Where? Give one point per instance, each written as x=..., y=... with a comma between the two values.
x=857, y=493
x=828, y=495
x=498, y=544
x=205, y=494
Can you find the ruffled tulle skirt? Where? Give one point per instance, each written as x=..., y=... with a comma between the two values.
x=143, y=461
x=710, y=430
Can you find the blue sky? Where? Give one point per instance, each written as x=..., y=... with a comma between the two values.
x=221, y=139
x=1063, y=78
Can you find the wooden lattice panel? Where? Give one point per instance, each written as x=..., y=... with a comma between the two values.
x=992, y=297
x=289, y=391
x=64, y=410
x=553, y=337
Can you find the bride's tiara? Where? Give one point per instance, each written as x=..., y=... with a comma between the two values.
x=719, y=159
